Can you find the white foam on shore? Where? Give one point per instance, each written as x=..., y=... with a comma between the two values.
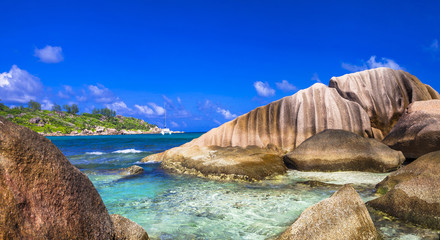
x=131, y=150
x=94, y=153
x=151, y=162
x=353, y=177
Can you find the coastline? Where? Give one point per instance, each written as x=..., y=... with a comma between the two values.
x=104, y=133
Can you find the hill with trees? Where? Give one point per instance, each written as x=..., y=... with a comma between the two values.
x=55, y=122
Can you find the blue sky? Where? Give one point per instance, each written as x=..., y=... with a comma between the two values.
x=207, y=61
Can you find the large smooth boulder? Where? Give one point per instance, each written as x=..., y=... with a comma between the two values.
x=418, y=131
x=250, y=163
x=125, y=229
x=384, y=93
x=342, y=216
x=413, y=192
x=43, y=196
x=338, y=150
x=283, y=124
x=286, y=123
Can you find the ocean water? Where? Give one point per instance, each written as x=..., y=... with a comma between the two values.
x=171, y=206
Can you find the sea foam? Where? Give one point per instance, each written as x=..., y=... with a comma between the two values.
x=131, y=150
x=95, y=153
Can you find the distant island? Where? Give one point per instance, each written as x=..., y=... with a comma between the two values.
x=56, y=122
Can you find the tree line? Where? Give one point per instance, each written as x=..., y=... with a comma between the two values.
x=72, y=109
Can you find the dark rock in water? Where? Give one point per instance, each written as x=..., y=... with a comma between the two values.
x=384, y=94
x=418, y=131
x=338, y=150
x=342, y=216
x=250, y=163
x=133, y=170
x=43, y=196
x=125, y=229
x=315, y=184
x=413, y=192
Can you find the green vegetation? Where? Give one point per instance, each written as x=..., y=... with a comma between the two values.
x=45, y=121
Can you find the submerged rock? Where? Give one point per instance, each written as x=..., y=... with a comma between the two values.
x=250, y=163
x=413, y=192
x=125, y=229
x=384, y=93
x=342, y=216
x=418, y=131
x=338, y=150
x=133, y=170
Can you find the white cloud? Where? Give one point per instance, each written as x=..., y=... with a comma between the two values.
x=263, y=89
x=158, y=109
x=49, y=54
x=101, y=93
x=119, y=107
x=315, y=78
x=386, y=62
x=47, y=104
x=285, y=86
x=144, y=109
x=226, y=113
x=217, y=122
x=19, y=86
x=372, y=63
x=153, y=110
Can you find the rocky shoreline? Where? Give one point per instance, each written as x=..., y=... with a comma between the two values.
x=101, y=131
x=374, y=120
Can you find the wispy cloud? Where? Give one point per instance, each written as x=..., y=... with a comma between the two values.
x=285, y=86
x=49, y=54
x=434, y=46
x=315, y=78
x=66, y=93
x=19, y=86
x=158, y=109
x=176, y=110
x=174, y=124
x=101, y=94
x=226, y=113
x=372, y=63
x=263, y=89
x=208, y=107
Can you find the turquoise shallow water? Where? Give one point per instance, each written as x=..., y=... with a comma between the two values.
x=172, y=206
